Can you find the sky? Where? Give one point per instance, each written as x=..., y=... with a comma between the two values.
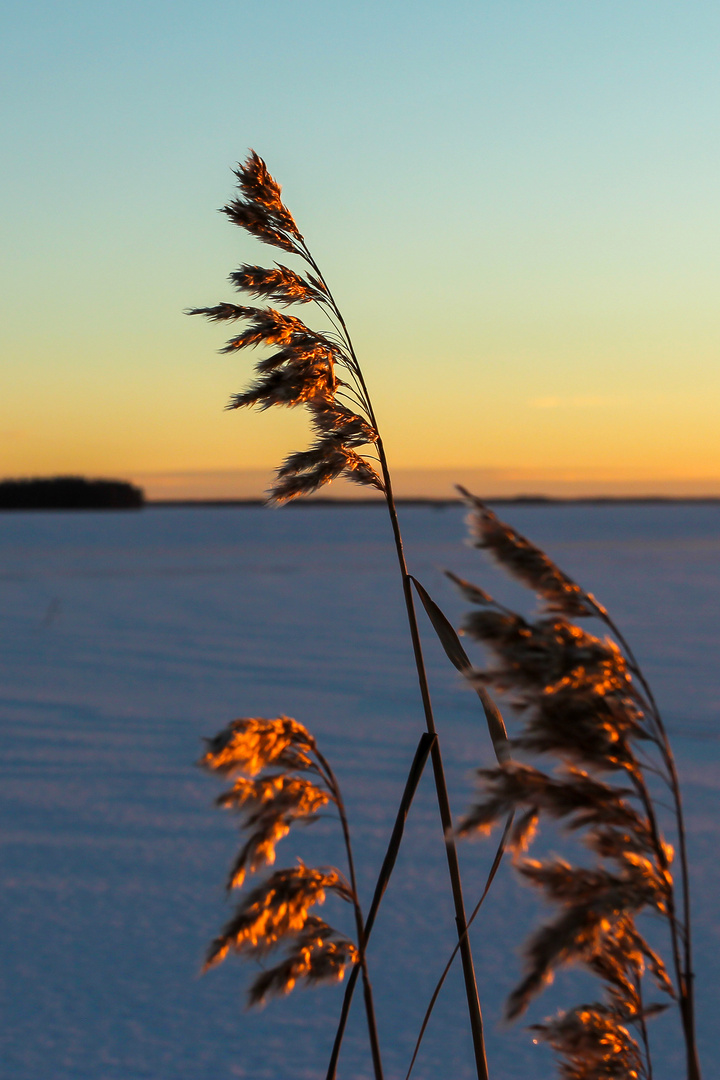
x=514, y=202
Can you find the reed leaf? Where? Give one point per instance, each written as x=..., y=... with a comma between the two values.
x=457, y=656
x=416, y=770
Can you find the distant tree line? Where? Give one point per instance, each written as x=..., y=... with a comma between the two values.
x=69, y=493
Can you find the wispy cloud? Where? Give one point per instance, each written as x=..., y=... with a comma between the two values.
x=581, y=401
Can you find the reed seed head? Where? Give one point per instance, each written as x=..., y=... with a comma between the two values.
x=317, y=954
x=251, y=744
x=580, y=707
x=274, y=910
x=279, y=780
x=525, y=562
x=309, y=368
x=593, y=1044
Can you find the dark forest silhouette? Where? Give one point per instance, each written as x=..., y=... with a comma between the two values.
x=69, y=493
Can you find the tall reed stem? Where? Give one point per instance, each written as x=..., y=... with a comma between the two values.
x=473, y=999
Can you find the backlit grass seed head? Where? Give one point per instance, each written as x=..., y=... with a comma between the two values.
x=588, y=728
x=471, y=592
x=260, y=188
x=577, y=690
x=279, y=792
x=579, y=706
x=269, y=807
x=542, y=654
x=594, y=1044
x=251, y=744
x=317, y=954
x=594, y=1040
x=274, y=910
x=312, y=384
x=271, y=327
x=257, y=852
x=279, y=284
x=576, y=798
x=595, y=926
x=579, y=935
x=526, y=562
x=635, y=885
x=309, y=368
x=295, y=480
x=260, y=209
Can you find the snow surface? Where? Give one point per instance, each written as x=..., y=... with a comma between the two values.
x=127, y=637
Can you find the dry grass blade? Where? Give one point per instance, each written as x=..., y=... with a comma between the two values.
x=458, y=657
x=416, y=771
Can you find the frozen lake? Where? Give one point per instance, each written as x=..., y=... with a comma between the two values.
x=127, y=637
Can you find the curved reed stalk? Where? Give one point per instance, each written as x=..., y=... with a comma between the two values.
x=590, y=708
x=321, y=371
x=276, y=765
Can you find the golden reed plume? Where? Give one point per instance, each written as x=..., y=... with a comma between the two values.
x=267, y=760
x=585, y=702
x=587, y=708
x=280, y=779
x=309, y=368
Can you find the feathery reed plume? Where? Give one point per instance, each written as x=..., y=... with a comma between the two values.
x=320, y=370
x=588, y=708
x=317, y=370
x=279, y=779
x=526, y=562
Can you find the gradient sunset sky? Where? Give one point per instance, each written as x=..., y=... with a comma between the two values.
x=516, y=204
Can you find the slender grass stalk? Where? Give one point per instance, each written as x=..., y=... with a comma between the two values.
x=495, y=866
x=359, y=921
x=322, y=372
x=416, y=770
x=443, y=798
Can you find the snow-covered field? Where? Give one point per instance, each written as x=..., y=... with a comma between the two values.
x=127, y=637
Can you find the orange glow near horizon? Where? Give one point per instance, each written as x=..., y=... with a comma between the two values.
x=539, y=299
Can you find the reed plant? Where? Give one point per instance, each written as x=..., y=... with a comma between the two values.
x=589, y=711
x=585, y=701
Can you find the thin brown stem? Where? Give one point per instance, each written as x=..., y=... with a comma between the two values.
x=471, y=990
x=359, y=921
x=675, y=936
x=473, y=999
x=439, y=985
x=416, y=771
x=642, y=1024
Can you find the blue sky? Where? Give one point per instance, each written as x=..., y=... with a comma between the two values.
x=516, y=205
